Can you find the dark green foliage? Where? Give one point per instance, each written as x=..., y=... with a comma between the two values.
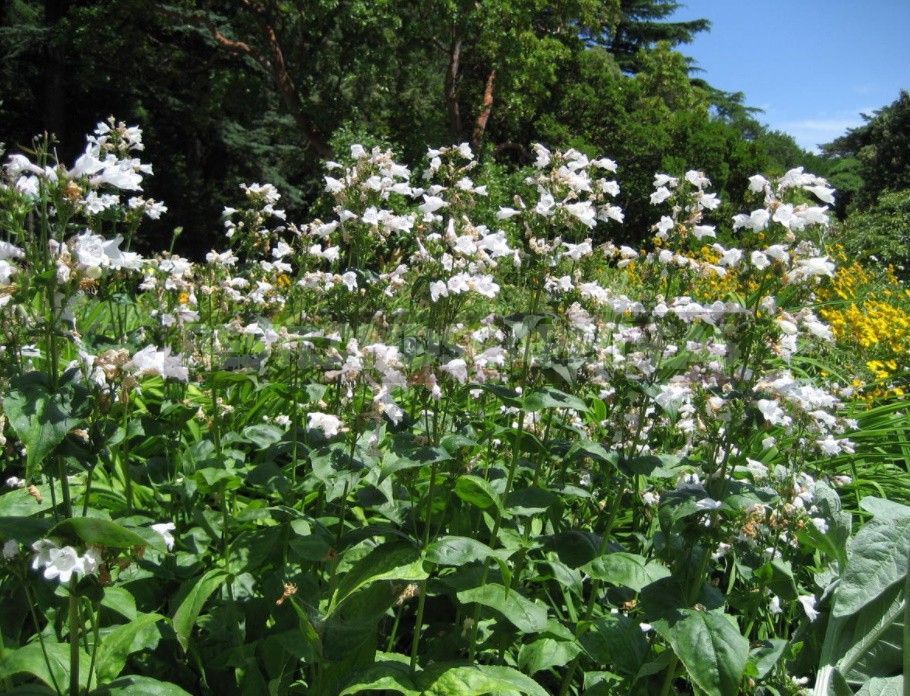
x=881, y=232
x=230, y=92
x=882, y=147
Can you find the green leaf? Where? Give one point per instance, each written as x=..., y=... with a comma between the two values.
x=532, y=501
x=25, y=530
x=710, y=647
x=386, y=675
x=199, y=591
x=524, y=614
x=883, y=686
x=553, y=398
x=478, y=492
x=626, y=569
x=119, y=600
x=879, y=507
x=29, y=659
x=617, y=640
x=263, y=435
x=777, y=576
x=393, y=561
x=545, y=653
x=40, y=417
x=135, y=684
x=476, y=680
x=877, y=559
x=766, y=655
x=457, y=551
x=96, y=532
x=140, y=634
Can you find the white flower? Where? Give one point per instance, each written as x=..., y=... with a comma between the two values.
x=151, y=361
x=438, y=289
x=11, y=549
x=702, y=231
x=583, y=211
x=759, y=260
x=660, y=195
x=350, y=280
x=774, y=605
x=757, y=183
x=458, y=368
x=62, y=563
x=816, y=267
x=15, y=482
x=165, y=529
x=329, y=425
x=431, y=204
x=808, y=603
x=773, y=412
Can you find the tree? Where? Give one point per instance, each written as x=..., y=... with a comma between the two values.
x=882, y=147
x=643, y=24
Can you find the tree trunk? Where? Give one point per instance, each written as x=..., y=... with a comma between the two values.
x=451, y=86
x=480, y=126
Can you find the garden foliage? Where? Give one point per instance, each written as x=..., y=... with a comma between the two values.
x=439, y=441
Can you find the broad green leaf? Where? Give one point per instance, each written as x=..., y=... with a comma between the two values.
x=881, y=508
x=777, y=576
x=263, y=435
x=186, y=614
x=96, y=532
x=552, y=398
x=29, y=659
x=617, y=640
x=19, y=503
x=869, y=643
x=476, y=680
x=710, y=647
x=40, y=417
x=25, y=530
x=393, y=561
x=140, y=634
x=883, y=686
x=457, y=551
x=387, y=675
x=120, y=600
x=766, y=655
x=524, y=614
x=877, y=559
x=477, y=491
x=545, y=653
x=134, y=684
x=532, y=501
x=626, y=569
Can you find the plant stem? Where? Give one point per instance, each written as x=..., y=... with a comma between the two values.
x=74, y=638
x=422, y=596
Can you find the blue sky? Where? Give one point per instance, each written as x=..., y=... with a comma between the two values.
x=812, y=65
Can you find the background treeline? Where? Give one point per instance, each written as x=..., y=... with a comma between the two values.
x=266, y=90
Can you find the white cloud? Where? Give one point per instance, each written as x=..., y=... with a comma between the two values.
x=812, y=132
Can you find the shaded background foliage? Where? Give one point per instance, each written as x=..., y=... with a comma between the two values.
x=261, y=90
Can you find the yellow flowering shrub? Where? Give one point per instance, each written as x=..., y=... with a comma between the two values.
x=870, y=312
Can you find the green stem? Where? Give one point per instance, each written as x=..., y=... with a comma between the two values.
x=74, y=638
x=47, y=660
x=96, y=642
x=422, y=596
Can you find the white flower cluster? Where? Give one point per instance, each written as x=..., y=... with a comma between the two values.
x=64, y=562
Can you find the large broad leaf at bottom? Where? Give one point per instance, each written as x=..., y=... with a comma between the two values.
x=710, y=647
